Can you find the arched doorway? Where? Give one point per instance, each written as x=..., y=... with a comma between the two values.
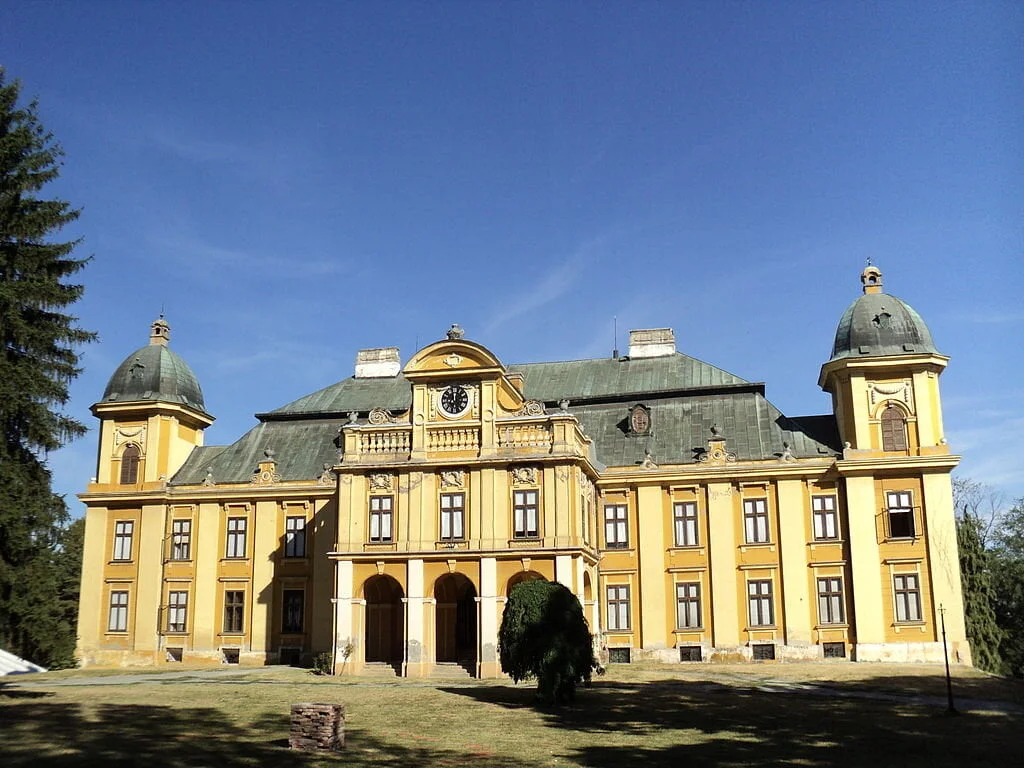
x=385, y=620
x=456, y=621
x=519, y=578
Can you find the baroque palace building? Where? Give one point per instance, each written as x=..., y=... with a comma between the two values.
x=385, y=518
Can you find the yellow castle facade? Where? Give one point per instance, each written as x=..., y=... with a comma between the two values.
x=384, y=519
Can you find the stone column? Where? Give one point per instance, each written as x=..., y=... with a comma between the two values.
x=344, y=629
x=725, y=609
x=415, y=639
x=488, y=659
x=792, y=538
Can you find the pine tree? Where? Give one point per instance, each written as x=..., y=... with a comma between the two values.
x=979, y=596
x=37, y=363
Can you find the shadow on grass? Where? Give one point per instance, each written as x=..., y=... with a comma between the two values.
x=49, y=735
x=676, y=722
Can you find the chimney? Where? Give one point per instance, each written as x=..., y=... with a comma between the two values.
x=379, y=363
x=652, y=342
x=516, y=379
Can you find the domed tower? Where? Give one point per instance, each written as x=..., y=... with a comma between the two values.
x=884, y=377
x=151, y=416
x=904, y=567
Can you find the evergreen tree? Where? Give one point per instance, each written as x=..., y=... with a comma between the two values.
x=1008, y=583
x=975, y=571
x=37, y=363
x=544, y=635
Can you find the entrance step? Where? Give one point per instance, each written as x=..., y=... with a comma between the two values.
x=451, y=670
x=379, y=669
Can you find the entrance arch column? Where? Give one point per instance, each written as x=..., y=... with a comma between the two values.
x=488, y=665
x=416, y=661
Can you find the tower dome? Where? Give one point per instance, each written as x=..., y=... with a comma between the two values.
x=879, y=325
x=155, y=373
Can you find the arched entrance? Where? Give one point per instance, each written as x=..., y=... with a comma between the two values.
x=456, y=621
x=385, y=620
x=519, y=578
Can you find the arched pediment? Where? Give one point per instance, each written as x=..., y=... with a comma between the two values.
x=452, y=355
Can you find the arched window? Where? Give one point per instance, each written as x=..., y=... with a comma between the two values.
x=130, y=465
x=894, y=429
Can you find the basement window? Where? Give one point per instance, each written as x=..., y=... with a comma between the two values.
x=834, y=650
x=174, y=655
x=690, y=653
x=764, y=652
x=618, y=655
x=230, y=655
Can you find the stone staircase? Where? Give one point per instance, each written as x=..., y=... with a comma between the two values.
x=379, y=669
x=451, y=670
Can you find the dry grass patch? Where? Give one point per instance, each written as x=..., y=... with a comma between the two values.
x=635, y=715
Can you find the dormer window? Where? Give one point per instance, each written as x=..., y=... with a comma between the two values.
x=130, y=465
x=894, y=429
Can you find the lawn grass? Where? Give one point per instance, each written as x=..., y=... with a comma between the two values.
x=647, y=715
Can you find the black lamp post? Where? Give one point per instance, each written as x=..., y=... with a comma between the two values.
x=950, y=710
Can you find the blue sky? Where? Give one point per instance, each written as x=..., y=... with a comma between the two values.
x=295, y=181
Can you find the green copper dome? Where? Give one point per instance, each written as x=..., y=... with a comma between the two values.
x=155, y=373
x=878, y=325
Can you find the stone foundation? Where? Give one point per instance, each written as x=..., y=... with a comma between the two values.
x=317, y=727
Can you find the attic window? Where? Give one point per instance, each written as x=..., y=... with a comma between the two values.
x=894, y=429
x=130, y=465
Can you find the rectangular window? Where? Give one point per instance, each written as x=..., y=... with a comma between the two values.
x=755, y=521
x=616, y=527
x=908, y=597
x=453, y=512
x=830, y=600
x=761, y=606
x=684, y=516
x=380, y=518
x=118, y=621
x=900, y=512
x=181, y=539
x=826, y=524
x=123, y=539
x=295, y=536
x=688, y=613
x=524, y=509
x=618, y=607
x=236, y=537
x=293, y=604
x=763, y=652
x=234, y=610
x=833, y=650
x=690, y=653
x=177, y=611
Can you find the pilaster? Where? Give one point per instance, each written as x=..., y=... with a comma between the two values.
x=722, y=552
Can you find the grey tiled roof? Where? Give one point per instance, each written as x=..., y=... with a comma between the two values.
x=685, y=396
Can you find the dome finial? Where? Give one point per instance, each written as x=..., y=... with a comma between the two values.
x=871, y=278
x=160, y=331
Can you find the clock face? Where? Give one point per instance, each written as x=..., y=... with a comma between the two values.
x=454, y=400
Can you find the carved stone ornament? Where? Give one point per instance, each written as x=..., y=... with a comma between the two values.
x=380, y=481
x=327, y=476
x=901, y=391
x=456, y=332
x=136, y=435
x=208, y=480
x=531, y=408
x=265, y=475
x=380, y=416
x=451, y=478
x=452, y=360
x=523, y=475
x=648, y=462
x=717, y=455
x=787, y=453
x=639, y=420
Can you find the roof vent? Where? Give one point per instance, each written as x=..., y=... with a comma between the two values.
x=380, y=363
x=652, y=342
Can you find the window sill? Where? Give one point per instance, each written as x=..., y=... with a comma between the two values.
x=379, y=546
x=117, y=632
x=762, y=628
x=178, y=561
x=840, y=625
x=238, y=635
x=819, y=542
x=626, y=631
x=175, y=632
x=898, y=625
x=120, y=562
x=620, y=547
x=678, y=548
x=451, y=544
x=234, y=559
x=902, y=539
x=689, y=630
x=769, y=545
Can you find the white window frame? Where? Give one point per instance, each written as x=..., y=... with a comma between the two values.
x=688, y=605
x=382, y=519
x=756, y=529
x=177, y=611
x=295, y=536
x=117, y=619
x=124, y=531
x=907, y=612
x=825, y=517
x=760, y=601
x=616, y=526
x=900, y=503
x=235, y=544
x=831, y=600
x=684, y=523
x=525, y=514
x=453, y=516
x=181, y=538
x=618, y=603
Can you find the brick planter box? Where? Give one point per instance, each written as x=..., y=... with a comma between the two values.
x=317, y=727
